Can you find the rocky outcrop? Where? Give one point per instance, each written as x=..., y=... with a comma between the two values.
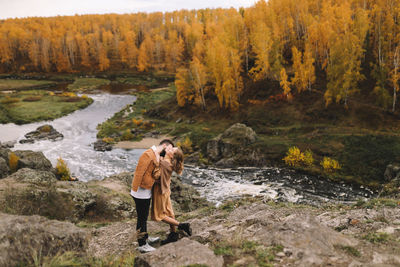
x=44, y=132
x=36, y=177
x=22, y=238
x=392, y=172
x=4, y=153
x=233, y=148
x=29, y=191
x=4, y=170
x=33, y=160
x=186, y=196
x=182, y=253
x=100, y=145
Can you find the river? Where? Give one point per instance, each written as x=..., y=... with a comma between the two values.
x=79, y=130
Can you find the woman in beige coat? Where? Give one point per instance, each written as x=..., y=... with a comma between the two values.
x=161, y=209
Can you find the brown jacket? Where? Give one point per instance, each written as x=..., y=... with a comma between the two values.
x=144, y=169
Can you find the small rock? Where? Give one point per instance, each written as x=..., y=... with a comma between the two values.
x=100, y=145
x=9, y=144
x=280, y=254
x=44, y=132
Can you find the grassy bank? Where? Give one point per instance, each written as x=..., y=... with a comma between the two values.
x=16, y=84
x=362, y=139
x=37, y=105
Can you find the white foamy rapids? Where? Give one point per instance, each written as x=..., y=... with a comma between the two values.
x=79, y=130
x=218, y=185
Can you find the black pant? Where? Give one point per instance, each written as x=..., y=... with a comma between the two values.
x=142, y=210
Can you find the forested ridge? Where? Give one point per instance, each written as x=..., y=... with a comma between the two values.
x=211, y=51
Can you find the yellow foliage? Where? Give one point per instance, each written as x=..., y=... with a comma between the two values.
x=108, y=140
x=84, y=97
x=308, y=158
x=13, y=161
x=330, y=165
x=51, y=93
x=294, y=157
x=45, y=129
x=186, y=145
x=68, y=94
x=62, y=170
x=137, y=122
x=127, y=135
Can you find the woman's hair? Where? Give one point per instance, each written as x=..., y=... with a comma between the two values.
x=177, y=161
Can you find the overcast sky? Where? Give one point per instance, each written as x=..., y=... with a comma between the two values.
x=31, y=8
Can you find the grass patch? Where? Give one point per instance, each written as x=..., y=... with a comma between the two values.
x=139, y=80
x=132, y=117
x=255, y=253
x=45, y=107
x=97, y=225
x=349, y=250
x=84, y=84
x=71, y=258
x=15, y=84
x=377, y=203
x=377, y=237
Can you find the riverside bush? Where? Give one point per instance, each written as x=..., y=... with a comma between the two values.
x=330, y=165
x=62, y=170
x=13, y=161
x=294, y=157
x=186, y=145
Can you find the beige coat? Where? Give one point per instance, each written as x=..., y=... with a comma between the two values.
x=161, y=204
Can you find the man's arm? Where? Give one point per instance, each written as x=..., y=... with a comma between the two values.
x=143, y=164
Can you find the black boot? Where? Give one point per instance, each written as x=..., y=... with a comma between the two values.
x=185, y=227
x=172, y=237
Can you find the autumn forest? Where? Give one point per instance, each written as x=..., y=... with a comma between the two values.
x=212, y=51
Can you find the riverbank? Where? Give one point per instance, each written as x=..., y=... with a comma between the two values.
x=145, y=143
x=361, y=140
x=23, y=107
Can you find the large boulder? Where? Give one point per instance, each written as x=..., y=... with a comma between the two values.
x=26, y=175
x=22, y=238
x=33, y=160
x=4, y=170
x=392, y=172
x=233, y=147
x=182, y=253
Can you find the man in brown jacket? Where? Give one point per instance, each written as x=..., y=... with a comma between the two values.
x=141, y=190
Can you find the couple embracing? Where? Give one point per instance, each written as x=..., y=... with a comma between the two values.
x=152, y=181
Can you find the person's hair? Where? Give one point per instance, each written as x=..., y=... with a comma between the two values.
x=177, y=161
x=167, y=142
